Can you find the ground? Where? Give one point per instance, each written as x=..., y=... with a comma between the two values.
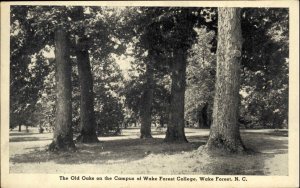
x=127, y=154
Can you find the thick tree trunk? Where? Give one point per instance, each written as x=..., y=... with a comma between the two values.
x=147, y=104
x=175, y=128
x=224, y=134
x=20, y=128
x=63, y=136
x=87, y=113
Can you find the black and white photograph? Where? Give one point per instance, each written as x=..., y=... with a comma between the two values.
x=150, y=93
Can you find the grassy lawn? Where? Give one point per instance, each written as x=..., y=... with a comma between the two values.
x=127, y=154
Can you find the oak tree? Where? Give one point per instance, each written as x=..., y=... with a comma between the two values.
x=224, y=133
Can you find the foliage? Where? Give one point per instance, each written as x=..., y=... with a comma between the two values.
x=111, y=117
x=200, y=77
x=265, y=68
x=133, y=98
x=32, y=34
x=108, y=84
x=28, y=67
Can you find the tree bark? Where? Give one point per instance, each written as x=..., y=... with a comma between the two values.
x=87, y=113
x=224, y=134
x=63, y=136
x=20, y=129
x=147, y=103
x=175, y=128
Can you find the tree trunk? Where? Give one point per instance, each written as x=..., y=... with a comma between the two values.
x=200, y=119
x=224, y=133
x=147, y=104
x=175, y=128
x=205, y=116
x=161, y=121
x=87, y=113
x=20, y=128
x=203, y=119
x=63, y=136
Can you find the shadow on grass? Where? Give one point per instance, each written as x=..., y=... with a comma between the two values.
x=264, y=143
x=22, y=133
x=116, y=151
x=258, y=142
x=26, y=139
x=264, y=146
x=268, y=132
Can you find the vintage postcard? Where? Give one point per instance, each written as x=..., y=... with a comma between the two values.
x=150, y=94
